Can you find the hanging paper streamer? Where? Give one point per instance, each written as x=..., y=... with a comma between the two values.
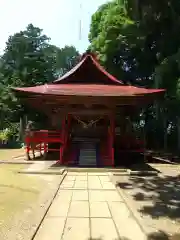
x=87, y=124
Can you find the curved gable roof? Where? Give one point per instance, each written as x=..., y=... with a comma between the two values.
x=88, y=71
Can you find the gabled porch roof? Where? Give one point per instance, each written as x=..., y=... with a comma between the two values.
x=88, y=71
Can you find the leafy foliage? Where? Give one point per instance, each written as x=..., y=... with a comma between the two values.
x=138, y=41
x=29, y=59
x=134, y=37
x=66, y=58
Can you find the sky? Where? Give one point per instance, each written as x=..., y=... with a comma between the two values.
x=60, y=19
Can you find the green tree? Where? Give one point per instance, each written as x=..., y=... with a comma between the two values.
x=29, y=59
x=133, y=37
x=25, y=62
x=138, y=42
x=66, y=59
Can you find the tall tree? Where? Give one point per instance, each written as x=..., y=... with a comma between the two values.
x=25, y=61
x=66, y=58
x=138, y=42
x=133, y=37
x=29, y=59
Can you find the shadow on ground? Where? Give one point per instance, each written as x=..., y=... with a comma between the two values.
x=143, y=167
x=152, y=236
x=162, y=192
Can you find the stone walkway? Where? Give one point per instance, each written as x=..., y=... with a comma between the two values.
x=86, y=207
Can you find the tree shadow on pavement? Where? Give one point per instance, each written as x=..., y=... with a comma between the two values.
x=161, y=195
x=163, y=236
x=153, y=236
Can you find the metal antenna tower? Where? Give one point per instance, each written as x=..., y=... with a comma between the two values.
x=80, y=22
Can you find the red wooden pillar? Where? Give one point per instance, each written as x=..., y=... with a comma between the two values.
x=69, y=121
x=63, y=138
x=112, y=135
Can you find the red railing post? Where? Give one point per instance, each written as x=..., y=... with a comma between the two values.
x=61, y=150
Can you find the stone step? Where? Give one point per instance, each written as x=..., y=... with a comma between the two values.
x=87, y=155
x=87, y=151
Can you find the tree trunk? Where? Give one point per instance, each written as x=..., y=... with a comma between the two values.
x=145, y=139
x=22, y=126
x=134, y=9
x=20, y=138
x=178, y=127
x=165, y=130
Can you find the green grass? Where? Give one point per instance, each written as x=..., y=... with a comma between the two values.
x=17, y=191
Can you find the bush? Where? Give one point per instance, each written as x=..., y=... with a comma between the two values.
x=10, y=133
x=4, y=134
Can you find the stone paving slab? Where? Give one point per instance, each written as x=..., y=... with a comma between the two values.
x=76, y=228
x=89, y=207
x=80, y=184
x=51, y=228
x=104, y=178
x=102, y=196
x=64, y=194
x=125, y=223
x=103, y=228
x=58, y=209
x=98, y=174
x=80, y=195
x=77, y=174
x=81, y=178
x=67, y=184
x=70, y=178
x=99, y=210
x=79, y=209
x=108, y=185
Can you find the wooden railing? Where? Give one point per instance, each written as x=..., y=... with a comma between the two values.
x=39, y=140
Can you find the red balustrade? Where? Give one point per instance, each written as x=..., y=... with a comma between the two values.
x=39, y=140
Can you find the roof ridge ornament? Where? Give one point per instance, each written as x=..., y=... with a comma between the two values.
x=89, y=53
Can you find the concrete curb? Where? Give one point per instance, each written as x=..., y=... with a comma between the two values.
x=60, y=172
x=106, y=170
x=47, y=207
x=143, y=173
x=16, y=162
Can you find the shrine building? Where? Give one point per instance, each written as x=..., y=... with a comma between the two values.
x=87, y=110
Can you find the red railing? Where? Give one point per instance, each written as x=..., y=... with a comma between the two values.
x=39, y=140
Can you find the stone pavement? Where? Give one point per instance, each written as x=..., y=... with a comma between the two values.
x=88, y=206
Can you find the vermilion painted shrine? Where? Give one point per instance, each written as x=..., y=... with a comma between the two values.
x=87, y=108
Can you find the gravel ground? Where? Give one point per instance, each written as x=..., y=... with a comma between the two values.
x=23, y=225
x=156, y=198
